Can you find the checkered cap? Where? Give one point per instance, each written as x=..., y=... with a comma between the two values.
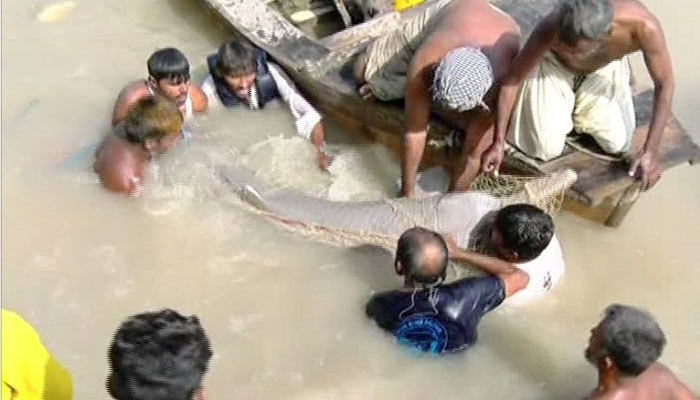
x=462, y=79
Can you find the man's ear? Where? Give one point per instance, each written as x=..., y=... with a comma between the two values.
x=511, y=256
x=152, y=81
x=398, y=268
x=150, y=145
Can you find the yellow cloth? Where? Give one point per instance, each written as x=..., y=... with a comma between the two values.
x=549, y=106
x=28, y=370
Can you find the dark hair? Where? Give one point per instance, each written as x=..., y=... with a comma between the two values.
x=632, y=338
x=158, y=355
x=410, y=253
x=525, y=229
x=235, y=58
x=169, y=63
x=152, y=117
x=584, y=19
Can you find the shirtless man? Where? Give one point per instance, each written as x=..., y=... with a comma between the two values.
x=464, y=48
x=168, y=76
x=624, y=347
x=575, y=76
x=152, y=126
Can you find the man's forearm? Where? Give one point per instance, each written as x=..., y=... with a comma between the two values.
x=663, y=97
x=318, y=137
x=506, y=99
x=411, y=153
x=488, y=264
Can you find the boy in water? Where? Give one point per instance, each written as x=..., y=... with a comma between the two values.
x=168, y=76
x=240, y=74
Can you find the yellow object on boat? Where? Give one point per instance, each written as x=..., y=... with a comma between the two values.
x=401, y=5
x=55, y=11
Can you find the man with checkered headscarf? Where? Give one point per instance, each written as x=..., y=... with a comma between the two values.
x=444, y=60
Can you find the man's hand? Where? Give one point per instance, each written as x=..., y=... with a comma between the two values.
x=646, y=168
x=492, y=159
x=366, y=93
x=324, y=160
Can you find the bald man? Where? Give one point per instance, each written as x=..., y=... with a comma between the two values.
x=433, y=317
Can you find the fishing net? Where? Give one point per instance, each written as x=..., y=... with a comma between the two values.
x=546, y=192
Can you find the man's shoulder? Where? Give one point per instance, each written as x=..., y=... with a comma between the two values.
x=133, y=91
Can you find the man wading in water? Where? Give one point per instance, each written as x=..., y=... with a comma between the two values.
x=152, y=127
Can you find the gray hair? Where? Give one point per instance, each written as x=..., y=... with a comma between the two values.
x=462, y=79
x=632, y=338
x=584, y=19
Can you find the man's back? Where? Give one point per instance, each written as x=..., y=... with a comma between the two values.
x=656, y=383
x=443, y=318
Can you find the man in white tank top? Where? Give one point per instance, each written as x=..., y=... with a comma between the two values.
x=168, y=76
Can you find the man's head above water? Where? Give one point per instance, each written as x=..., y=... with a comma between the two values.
x=235, y=64
x=628, y=339
x=421, y=256
x=521, y=232
x=169, y=74
x=155, y=123
x=158, y=355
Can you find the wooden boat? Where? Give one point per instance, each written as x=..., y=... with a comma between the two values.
x=322, y=68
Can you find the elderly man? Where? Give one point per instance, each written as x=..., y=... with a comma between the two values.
x=158, y=355
x=449, y=59
x=575, y=75
x=625, y=347
x=429, y=315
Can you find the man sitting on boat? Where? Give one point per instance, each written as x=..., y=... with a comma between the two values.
x=241, y=74
x=152, y=126
x=168, y=76
x=625, y=347
x=575, y=75
x=448, y=59
x=431, y=316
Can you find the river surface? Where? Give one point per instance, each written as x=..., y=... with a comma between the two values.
x=285, y=315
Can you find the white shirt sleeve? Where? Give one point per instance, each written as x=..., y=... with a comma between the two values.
x=209, y=90
x=305, y=116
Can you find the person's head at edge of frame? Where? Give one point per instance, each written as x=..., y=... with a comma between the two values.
x=160, y=355
x=627, y=339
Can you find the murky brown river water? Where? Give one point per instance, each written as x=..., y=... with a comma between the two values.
x=285, y=314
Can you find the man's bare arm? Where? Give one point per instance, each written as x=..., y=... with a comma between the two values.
x=126, y=99
x=536, y=46
x=417, y=110
x=200, y=102
x=514, y=279
x=658, y=62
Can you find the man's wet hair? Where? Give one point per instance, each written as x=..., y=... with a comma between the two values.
x=584, y=19
x=235, y=58
x=169, y=63
x=525, y=229
x=410, y=252
x=632, y=338
x=153, y=117
x=159, y=355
